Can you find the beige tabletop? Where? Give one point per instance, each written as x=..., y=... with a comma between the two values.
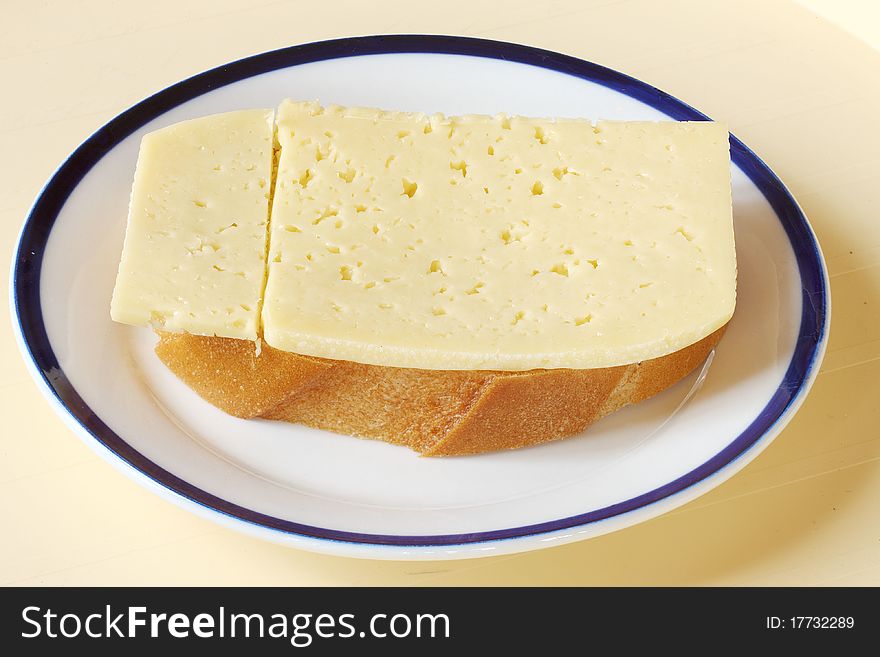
x=798, y=82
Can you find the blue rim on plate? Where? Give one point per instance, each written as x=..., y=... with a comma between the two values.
x=35, y=233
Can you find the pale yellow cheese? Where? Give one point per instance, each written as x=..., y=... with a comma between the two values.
x=496, y=243
x=194, y=257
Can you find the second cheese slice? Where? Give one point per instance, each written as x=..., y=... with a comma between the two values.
x=496, y=243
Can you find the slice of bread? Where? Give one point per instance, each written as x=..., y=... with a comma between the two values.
x=434, y=412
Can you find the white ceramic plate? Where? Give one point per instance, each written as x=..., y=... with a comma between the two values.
x=341, y=495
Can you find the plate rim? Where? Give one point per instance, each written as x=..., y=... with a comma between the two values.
x=44, y=367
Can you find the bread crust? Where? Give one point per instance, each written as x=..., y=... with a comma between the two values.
x=434, y=412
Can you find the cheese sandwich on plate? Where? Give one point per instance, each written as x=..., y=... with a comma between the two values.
x=453, y=284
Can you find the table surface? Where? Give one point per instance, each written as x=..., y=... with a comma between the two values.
x=795, y=81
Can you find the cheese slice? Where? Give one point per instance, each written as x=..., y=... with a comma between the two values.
x=194, y=257
x=496, y=243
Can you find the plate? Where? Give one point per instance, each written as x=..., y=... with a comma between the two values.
x=340, y=495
